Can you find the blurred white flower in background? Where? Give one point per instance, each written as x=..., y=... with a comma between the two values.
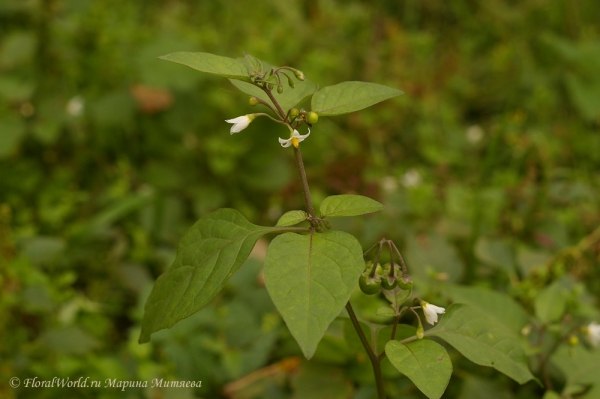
x=411, y=178
x=593, y=333
x=389, y=183
x=474, y=134
x=75, y=106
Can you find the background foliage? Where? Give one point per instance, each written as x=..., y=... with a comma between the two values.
x=488, y=168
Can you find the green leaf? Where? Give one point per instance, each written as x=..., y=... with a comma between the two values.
x=551, y=395
x=290, y=98
x=385, y=311
x=495, y=252
x=208, y=255
x=291, y=218
x=497, y=306
x=397, y=296
x=254, y=62
x=310, y=278
x=550, y=304
x=426, y=363
x=347, y=97
x=579, y=365
x=210, y=63
x=348, y=205
x=483, y=342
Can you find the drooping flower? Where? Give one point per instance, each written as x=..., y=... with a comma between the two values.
x=240, y=123
x=593, y=333
x=431, y=312
x=294, y=140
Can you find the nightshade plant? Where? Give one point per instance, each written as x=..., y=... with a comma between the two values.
x=310, y=272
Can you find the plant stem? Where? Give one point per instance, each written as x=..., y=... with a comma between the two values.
x=375, y=361
x=281, y=112
x=305, y=189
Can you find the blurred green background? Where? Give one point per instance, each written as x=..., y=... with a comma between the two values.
x=489, y=168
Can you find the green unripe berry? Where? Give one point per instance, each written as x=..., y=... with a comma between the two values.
x=312, y=117
x=405, y=282
x=388, y=283
x=294, y=112
x=369, y=285
x=253, y=101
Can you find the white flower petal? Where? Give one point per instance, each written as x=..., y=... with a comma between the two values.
x=285, y=143
x=239, y=123
x=431, y=312
x=594, y=333
x=301, y=137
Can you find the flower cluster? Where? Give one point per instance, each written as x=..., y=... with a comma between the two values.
x=242, y=122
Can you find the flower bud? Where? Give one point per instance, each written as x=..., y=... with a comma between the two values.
x=312, y=117
x=299, y=74
x=279, y=89
x=290, y=81
x=420, y=330
x=253, y=101
x=573, y=340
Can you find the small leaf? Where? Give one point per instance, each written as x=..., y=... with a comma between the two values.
x=208, y=255
x=397, y=296
x=348, y=205
x=426, y=363
x=550, y=304
x=385, y=311
x=495, y=252
x=210, y=63
x=348, y=97
x=254, y=62
x=310, y=278
x=291, y=218
x=483, y=342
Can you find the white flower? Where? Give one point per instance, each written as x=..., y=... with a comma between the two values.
x=75, y=106
x=240, y=123
x=593, y=332
x=411, y=178
x=474, y=134
x=295, y=139
x=431, y=312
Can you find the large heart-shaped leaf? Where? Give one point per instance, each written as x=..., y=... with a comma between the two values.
x=310, y=278
x=483, y=341
x=497, y=306
x=424, y=362
x=348, y=205
x=208, y=255
x=348, y=97
x=210, y=63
